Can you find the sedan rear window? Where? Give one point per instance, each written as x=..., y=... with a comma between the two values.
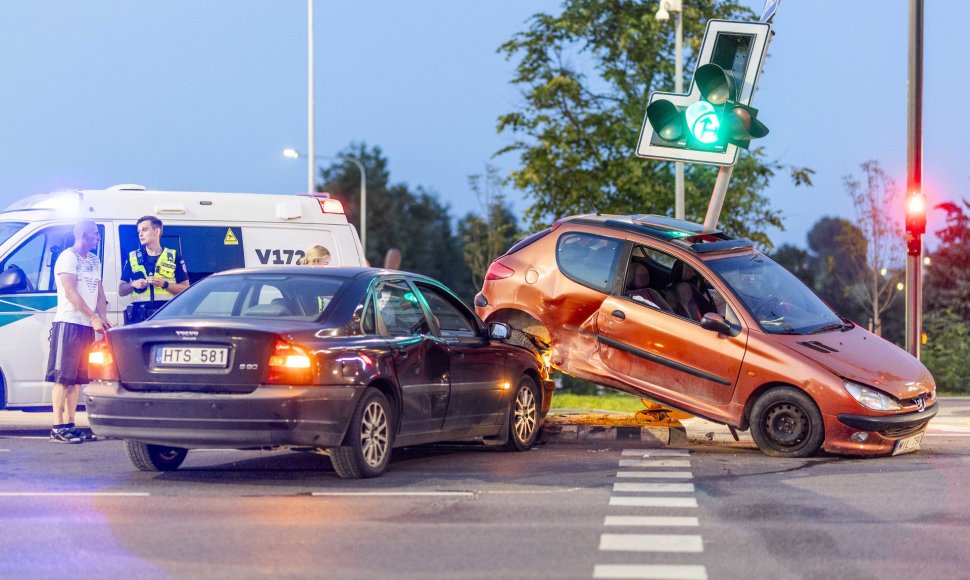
x=290, y=297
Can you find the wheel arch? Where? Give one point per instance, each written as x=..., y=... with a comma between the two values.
x=523, y=321
x=757, y=393
x=390, y=390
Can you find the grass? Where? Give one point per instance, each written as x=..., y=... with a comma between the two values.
x=604, y=402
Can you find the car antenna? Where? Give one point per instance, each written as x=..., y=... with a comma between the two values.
x=594, y=208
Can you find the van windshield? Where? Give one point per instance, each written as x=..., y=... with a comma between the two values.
x=774, y=296
x=8, y=229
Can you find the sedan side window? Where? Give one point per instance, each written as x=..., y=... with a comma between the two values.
x=398, y=311
x=588, y=259
x=452, y=319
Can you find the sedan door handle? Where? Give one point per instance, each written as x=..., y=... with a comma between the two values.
x=619, y=314
x=402, y=353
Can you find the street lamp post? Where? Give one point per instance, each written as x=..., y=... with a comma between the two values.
x=663, y=13
x=294, y=154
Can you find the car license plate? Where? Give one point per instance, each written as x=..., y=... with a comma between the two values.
x=192, y=356
x=908, y=445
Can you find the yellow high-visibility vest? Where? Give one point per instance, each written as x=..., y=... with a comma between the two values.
x=164, y=269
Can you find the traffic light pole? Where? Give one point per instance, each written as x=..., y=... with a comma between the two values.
x=717, y=197
x=914, y=178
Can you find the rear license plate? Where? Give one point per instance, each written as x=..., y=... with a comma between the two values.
x=192, y=356
x=907, y=445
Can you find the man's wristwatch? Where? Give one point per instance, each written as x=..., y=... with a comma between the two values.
x=165, y=285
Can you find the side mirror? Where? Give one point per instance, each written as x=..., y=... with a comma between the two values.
x=499, y=331
x=13, y=280
x=717, y=323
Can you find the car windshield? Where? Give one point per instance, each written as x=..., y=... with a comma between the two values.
x=774, y=296
x=278, y=296
x=8, y=229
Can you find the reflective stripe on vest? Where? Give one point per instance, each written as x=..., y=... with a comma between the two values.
x=164, y=269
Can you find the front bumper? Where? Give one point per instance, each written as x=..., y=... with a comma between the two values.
x=903, y=422
x=270, y=416
x=883, y=431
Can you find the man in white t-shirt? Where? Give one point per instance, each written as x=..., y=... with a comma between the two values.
x=81, y=311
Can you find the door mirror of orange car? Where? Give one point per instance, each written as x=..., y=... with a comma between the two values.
x=499, y=331
x=717, y=323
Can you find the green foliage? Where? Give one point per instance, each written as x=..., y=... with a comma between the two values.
x=570, y=384
x=607, y=401
x=415, y=222
x=947, y=283
x=947, y=350
x=586, y=74
x=486, y=238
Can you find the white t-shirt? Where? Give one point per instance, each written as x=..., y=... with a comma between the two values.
x=88, y=272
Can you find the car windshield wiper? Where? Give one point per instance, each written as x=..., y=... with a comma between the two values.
x=833, y=326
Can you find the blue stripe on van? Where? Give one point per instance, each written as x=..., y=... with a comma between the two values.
x=15, y=307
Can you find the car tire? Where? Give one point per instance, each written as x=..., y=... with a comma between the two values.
x=519, y=338
x=148, y=457
x=786, y=422
x=523, y=416
x=370, y=437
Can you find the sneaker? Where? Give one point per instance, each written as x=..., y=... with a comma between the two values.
x=82, y=434
x=64, y=436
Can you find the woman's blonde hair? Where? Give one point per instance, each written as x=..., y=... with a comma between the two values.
x=316, y=254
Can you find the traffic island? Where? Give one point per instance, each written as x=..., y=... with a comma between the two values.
x=574, y=426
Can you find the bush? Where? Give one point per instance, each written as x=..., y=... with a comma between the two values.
x=947, y=351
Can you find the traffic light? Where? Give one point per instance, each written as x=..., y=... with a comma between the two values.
x=915, y=223
x=714, y=121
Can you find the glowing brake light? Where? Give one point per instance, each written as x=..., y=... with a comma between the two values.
x=331, y=206
x=498, y=271
x=101, y=363
x=289, y=364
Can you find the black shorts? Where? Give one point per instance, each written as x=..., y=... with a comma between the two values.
x=68, y=362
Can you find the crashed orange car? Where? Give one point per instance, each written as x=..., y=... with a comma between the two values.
x=707, y=324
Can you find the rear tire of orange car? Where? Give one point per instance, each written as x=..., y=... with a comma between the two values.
x=519, y=338
x=786, y=422
x=523, y=417
x=367, y=448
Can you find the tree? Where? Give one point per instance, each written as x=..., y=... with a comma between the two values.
x=880, y=270
x=415, y=222
x=947, y=350
x=585, y=75
x=838, y=249
x=489, y=236
x=948, y=273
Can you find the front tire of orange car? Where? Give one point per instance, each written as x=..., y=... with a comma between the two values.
x=786, y=422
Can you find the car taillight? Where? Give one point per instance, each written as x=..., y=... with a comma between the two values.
x=498, y=271
x=101, y=363
x=289, y=364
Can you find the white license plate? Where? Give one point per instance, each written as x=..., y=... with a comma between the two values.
x=192, y=356
x=907, y=445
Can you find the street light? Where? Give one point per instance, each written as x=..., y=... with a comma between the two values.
x=294, y=154
x=663, y=14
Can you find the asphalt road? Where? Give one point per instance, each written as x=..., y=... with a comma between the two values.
x=712, y=509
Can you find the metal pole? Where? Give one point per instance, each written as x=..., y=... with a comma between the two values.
x=717, y=197
x=363, y=200
x=679, y=204
x=311, y=148
x=914, y=176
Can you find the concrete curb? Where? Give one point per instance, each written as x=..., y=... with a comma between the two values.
x=674, y=435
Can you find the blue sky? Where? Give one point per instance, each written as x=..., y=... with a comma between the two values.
x=190, y=95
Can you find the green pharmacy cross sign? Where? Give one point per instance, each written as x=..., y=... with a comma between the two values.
x=711, y=122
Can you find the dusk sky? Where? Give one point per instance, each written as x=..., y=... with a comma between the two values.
x=190, y=95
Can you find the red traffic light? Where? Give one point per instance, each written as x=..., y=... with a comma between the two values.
x=915, y=214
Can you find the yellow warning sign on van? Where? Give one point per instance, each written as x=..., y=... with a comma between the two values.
x=231, y=239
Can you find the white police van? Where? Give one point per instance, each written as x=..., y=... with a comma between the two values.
x=213, y=231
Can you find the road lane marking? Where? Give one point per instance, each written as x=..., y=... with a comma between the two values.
x=651, y=543
x=654, y=487
x=646, y=521
x=657, y=452
x=654, y=463
x=392, y=493
x=663, y=474
x=680, y=502
x=633, y=572
x=74, y=494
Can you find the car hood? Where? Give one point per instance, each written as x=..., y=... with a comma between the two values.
x=863, y=357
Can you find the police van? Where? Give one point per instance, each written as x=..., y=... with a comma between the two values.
x=212, y=231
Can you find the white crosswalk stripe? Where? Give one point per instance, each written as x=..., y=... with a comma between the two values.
x=649, y=521
x=654, y=463
x=656, y=474
x=654, y=487
x=674, y=572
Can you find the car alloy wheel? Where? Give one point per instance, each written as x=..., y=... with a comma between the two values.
x=524, y=413
x=373, y=434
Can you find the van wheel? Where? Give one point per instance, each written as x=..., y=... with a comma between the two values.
x=785, y=422
x=367, y=448
x=154, y=457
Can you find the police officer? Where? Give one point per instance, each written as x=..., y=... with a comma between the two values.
x=153, y=274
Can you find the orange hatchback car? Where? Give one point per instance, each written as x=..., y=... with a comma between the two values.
x=707, y=324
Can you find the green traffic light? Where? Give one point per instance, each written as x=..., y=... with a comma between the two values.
x=703, y=122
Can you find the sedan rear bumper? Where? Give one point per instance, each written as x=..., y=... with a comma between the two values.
x=270, y=416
